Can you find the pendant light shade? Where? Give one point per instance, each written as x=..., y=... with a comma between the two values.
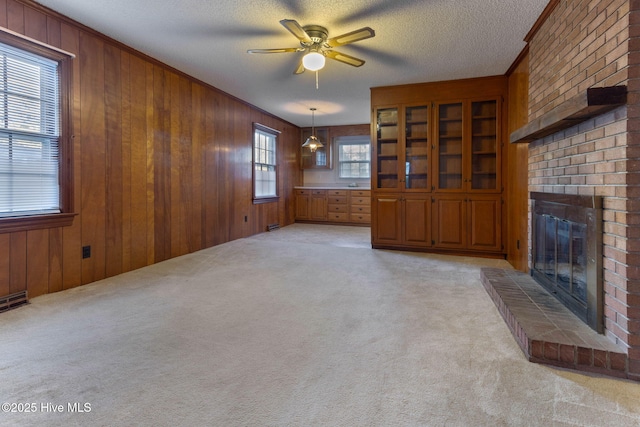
x=313, y=143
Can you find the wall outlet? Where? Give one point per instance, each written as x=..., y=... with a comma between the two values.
x=86, y=252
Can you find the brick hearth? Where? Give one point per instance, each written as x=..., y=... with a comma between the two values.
x=546, y=331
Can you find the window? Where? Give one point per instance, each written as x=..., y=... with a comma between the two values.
x=34, y=172
x=265, y=167
x=354, y=157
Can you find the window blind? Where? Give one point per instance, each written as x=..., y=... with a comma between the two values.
x=29, y=133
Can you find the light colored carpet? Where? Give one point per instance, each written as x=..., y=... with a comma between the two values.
x=303, y=326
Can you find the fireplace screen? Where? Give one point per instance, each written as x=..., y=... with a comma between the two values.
x=567, y=252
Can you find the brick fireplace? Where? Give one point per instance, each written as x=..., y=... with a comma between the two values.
x=577, y=46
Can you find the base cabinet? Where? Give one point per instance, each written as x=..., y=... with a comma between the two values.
x=406, y=220
x=303, y=207
x=485, y=219
x=341, y=206
x=318, y=205
x=467, y=222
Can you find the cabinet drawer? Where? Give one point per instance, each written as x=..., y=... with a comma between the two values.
x=360, y=209
x=360, y=193
x=361, y=218
x=338, y=199
x=337, y=208
x=303, y=192
x=360, y=201
x=319, y=192
x=338, y=216
x=337, y=192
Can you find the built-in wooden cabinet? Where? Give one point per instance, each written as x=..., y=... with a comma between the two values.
x=318, y=205
x=467, y=222
x=401, y=220
x=303, y=204
x=311, y=204
x=360, y=206
x=338, y=205
x=401, y=149
x=341, y=206
x=467, y=149
x=437, y=166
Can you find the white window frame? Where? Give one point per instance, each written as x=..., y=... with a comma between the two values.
x=353, y=140
x=265, y=164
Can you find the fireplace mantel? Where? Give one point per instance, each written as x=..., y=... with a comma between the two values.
x=593, y=102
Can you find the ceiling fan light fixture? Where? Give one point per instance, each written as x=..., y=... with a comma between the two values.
x=313, y=61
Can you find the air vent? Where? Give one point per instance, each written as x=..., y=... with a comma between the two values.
x=13, y=301
x=272, y=227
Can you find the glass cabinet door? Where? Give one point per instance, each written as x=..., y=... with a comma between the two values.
x=416, y=148
x=449, y=146
x=484, y=153
x=387, y=148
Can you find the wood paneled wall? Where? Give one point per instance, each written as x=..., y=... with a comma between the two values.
x=162, y=164
x=517, y=170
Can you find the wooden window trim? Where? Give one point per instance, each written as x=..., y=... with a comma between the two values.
x=276, y=133
x=65, y=171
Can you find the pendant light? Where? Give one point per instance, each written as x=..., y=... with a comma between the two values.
x=313, y=143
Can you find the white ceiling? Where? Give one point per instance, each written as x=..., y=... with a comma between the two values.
x=416, y=41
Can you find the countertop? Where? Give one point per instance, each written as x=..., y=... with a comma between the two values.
x=326, y=187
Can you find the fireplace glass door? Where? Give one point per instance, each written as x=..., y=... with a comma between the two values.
x=566, y=256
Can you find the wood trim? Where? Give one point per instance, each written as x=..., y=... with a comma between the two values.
x=17, y=39
x=35, y=222
x=65, y=144
x=541, y=20
x=521, y=56
x=593, y=102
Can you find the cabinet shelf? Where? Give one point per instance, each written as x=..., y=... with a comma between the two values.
x=484, y=135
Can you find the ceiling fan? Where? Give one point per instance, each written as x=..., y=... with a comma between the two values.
x=315, y=42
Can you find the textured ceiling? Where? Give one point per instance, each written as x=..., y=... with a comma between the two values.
x=416, y=41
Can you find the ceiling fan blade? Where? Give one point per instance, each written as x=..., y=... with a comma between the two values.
x=353, y=36
x=295, y=29
x=300, y=68
x=281, y=50
x=347, y=59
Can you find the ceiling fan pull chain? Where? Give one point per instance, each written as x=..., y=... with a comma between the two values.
x=316, y=79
